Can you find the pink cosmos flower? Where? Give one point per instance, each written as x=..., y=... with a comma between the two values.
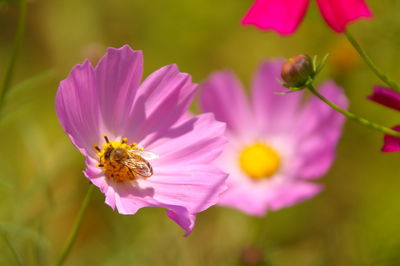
x=276, y=144
x=105, y=108
x=284, y=16
x=390, y=99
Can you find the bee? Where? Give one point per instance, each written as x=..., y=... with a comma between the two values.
x=135, y=160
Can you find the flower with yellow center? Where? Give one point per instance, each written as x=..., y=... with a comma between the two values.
x=112, y=99
x=276, y=143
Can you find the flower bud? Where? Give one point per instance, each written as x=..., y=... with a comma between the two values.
x=297, y=70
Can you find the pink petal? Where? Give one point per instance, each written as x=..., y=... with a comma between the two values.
x=161, y=100
x=118, y=75
x=273, y=112
x=257, y=197
x=248, y=198
x=97, y=177
x=110, y=197
x=197, y=139
x=78, y=109
x=92, y=102
x=95, y=174
x=183, y=219
x=318, y=130
x=290, y=193
x=282, y=16
x=339, y=13
x=195, y=187
x=223, y=95
x=386, y=97
x=130, y=197
x=391, y=143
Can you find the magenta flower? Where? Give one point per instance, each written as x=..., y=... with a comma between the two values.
x=275, y=146
x=391, y=99
x=168, y=161
x=284, y=16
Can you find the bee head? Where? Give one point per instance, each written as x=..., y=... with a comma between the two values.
x=119, y=154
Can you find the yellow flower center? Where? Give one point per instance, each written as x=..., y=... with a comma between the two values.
x=121, y=161
x=259, y=161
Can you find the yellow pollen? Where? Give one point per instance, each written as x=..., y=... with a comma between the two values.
x=113, y=157
x=259, y=161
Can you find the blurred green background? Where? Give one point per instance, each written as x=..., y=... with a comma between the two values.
x=354, y=221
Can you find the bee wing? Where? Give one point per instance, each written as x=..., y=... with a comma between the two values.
x=145, y=154
x=139, y=166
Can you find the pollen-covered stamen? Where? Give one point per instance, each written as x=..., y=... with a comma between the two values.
x=97, y=148
x=122, y=162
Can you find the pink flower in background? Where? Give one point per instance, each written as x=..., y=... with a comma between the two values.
x=284, y=16
x=391, y=99
x=142, y=148
x=276, y=145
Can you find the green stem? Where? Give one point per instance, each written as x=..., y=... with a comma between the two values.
x=74, y=232
x=13, y=251
x=17, y=45
x=392, y=84
x=355, y=117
